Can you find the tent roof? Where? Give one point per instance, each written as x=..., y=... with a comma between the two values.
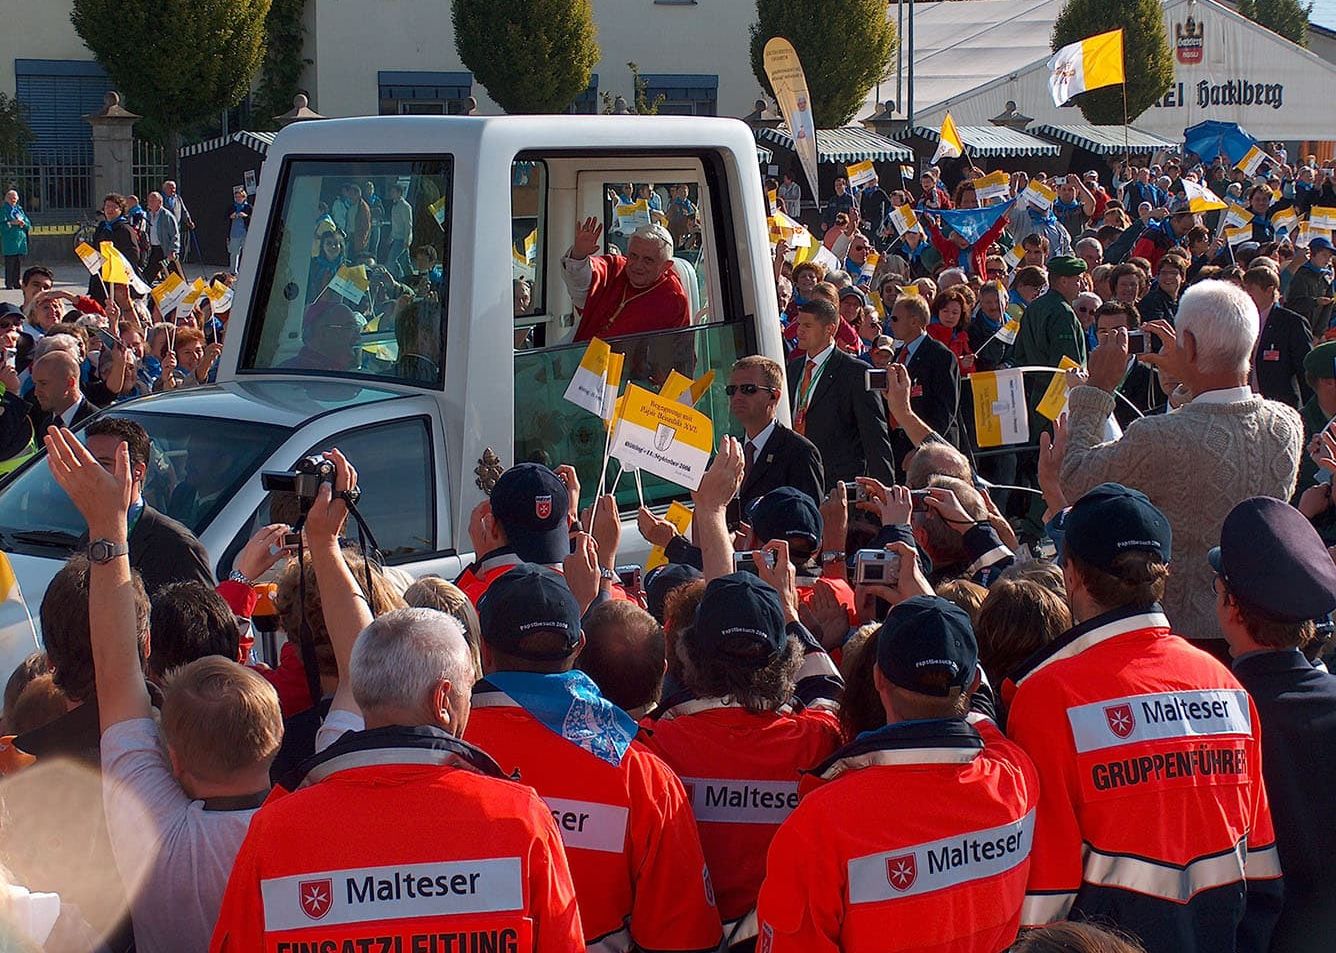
x=845, y=144
x=1103, y=140
x=988, y=141
x=259, y=141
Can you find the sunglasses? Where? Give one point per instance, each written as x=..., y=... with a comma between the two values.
x=748, y=389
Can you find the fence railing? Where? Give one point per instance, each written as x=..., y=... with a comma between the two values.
x=54, y=185
x=148, y=169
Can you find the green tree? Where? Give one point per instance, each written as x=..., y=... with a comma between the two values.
x=1147, y=62
x=532, y=56
x=1289, y=18
x=281, y=70
x=178, y=63
x=15, y=133
x=841, y=64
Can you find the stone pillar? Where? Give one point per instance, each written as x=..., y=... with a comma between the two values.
x=113, y=147
x=301, y=111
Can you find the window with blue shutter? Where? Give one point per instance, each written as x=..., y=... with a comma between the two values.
x=57, y=95
x=423, y=92
x=684, y=94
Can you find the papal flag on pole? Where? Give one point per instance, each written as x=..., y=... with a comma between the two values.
x=351, y=283
x=1200, y=198
x=1252, y=159
x=1322, y=217
x=861, y=173
x=1087, y=64
x=904, y=220
x=18, y=636
x=586, y=388
x=1285, y=221
x=612, y=383
x=662, y=437
x=684, y=390
x=1000, y=416
x=950, y=145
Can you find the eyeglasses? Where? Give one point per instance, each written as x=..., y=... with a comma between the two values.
x=995, y=273
x=1086, y=310
x=748, y=389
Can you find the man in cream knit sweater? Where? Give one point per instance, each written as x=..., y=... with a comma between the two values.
x=1224, y=445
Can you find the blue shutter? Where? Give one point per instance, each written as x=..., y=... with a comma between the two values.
x=57, y=95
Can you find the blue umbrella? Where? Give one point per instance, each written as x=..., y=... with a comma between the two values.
x=1214, y=138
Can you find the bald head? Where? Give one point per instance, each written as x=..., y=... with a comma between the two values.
x=936, y=458
x=55, y=380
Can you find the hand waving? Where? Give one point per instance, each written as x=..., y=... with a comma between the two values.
x=102, y=497
x=586, y=238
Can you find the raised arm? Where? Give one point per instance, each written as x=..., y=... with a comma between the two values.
x=719, y=485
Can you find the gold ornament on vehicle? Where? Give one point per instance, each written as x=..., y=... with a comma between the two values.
x=488, y=471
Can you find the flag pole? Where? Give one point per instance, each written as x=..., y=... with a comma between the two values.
x=1127, y=148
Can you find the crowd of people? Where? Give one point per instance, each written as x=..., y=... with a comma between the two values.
x=887, y=692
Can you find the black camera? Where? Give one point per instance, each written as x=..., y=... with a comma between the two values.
x=303, y=481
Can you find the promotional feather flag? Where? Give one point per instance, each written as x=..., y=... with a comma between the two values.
x=789, y=82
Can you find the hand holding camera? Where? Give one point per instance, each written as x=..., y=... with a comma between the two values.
x=328, y=511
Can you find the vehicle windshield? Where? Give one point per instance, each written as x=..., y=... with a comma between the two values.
x=196, y=467
x=356, y=271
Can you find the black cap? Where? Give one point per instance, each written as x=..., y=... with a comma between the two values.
x=524, y=601
x=853, y=291
x=783, y=513
x=7, y=309
x=924, y=638
x=1112, y=519
x=661, y=580
x=530, y=503
x=740, y=618
x=1275, y=562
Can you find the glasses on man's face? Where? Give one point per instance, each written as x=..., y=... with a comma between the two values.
x=995, y=273
x=1085, y=309
x=747, y=389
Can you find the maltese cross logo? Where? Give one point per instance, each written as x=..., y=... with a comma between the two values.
x=542, y=506
x=902, y=871
x=1121, y=720
x=316, y=897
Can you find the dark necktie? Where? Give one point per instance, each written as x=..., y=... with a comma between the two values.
x=748, y=459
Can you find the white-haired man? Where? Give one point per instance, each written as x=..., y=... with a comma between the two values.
x=1224, y=445
x=618, y=295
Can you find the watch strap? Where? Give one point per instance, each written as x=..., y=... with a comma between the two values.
x=103, y=551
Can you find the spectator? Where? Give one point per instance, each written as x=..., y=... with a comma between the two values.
x=1050, y=330
x=15, y=241
x=1093, y=706
x=625, y=655
x=934, y=375
x=1273, y=577
x=618, y=295
x=190, y=621
x=195, y=360
x=1161, y=302
x=1140, y=393
x=1283, y=342
x=1018, y=618
x=842, y=201
x=1310, y=292
x=330, y=334
x=1126, y=280
x=969, y=596
x=949, y=327
x=57, y=400
x=326, y=263
x=1244, y=445
x=174, y=203
x=1091, y=252
x=1162, y=234
x=356, y=222
x=433, y=592
x=401, y=232
x=238, y=225
x=791, y=194
x=164, y=240
x=1075, y=938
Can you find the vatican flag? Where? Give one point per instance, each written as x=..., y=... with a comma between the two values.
x=949, y=145
x=587, y=387
x=1087, y=64
x=1200, y=198
x=662, y=437
x=18, y=636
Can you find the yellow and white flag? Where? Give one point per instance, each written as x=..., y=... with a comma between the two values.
x=1000, y=417
x=169, y=292
x=220, y=296
x=586, y=388
x=684, y=390
x=994, y=185
x=949, y=145
x=115, y=269
x=783, y=228
x=870, y=265
x=1322, y=217
x=861, y=173
x=1252, y=160
x=1286, y=220
x=1039, y=196
x=632, y=216
x=904, y=220
x=90, y=257
x=18, y=636
x=350, y=283
x=679, y=514
x=437, y=210
x=1085, y=65
x=662, y=437
x=1305, y=233
x=1008, y=332
x=1054, y=401
x=192, y=295
x=1014, y=255
x=612, y=383
x=1238, y=235
x=1236, y=216
x=772, y=201
x=1200, y=198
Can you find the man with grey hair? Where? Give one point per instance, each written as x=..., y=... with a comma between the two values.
x=636, y=294
x=1223, y=445
x=1090, y=251
x=951, y=277
x=164, y=239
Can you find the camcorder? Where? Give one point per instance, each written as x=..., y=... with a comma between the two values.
x=302, y=481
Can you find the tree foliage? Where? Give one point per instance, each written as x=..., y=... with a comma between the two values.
x=281, y=70
x=841, y=64
x=177, y=62
x=1147, y=61
x=532, y=56
x=1289, y=18
x=15, y=133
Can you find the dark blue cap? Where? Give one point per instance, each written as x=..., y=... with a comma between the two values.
x=1320, y=243
x=661, y=580
x=740, y=619
x=1112, y=519
x=523, y=602
x=531, y=504
x=783, y=513
x=927, y=645
x=1275, y=562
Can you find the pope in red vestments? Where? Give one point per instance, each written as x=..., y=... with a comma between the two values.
x=618, y=295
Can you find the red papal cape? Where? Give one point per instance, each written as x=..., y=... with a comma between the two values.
x=614, y=308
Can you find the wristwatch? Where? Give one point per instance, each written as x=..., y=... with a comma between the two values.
x=832, y=556
x=236, y=575
x=103, y=551
x=607, y=574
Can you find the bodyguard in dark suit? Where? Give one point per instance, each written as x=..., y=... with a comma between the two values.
x=1275, y=577
x=1282, y=345
x=832, y=406
x=774, y=455
x=56, y=398
x=934, y=374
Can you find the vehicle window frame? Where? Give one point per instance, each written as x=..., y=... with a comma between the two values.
x=538, y=303
x=257, y=309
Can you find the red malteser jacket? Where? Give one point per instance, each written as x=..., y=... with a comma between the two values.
x=475, y=580
x=1152, y=810
x=634, y=853
x=400, y=839
x=741, y=770
x=870, y=862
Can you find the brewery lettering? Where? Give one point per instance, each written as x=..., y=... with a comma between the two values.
x=1233, y=92
x=410, y=887
x=1201, y=762
x=474, y=941
x=973, y=850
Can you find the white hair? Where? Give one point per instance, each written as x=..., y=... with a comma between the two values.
x=399, y=658
x=951, y=277
x=1089, y=296
x=657, y=234
x=1223, y=320
x=1091, y=243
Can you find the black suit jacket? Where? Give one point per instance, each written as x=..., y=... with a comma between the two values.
x=787, y=459
x=1281, y=349
x=1296, y=705
x=42, y=419
x=845, y=421
x=164, y=551
x=934, y=376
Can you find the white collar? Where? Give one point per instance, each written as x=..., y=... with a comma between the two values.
x=758, y=442
x=67, y=415
x=1224, y=395
x=822, y=356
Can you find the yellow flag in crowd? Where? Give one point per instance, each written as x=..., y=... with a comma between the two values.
x=950, y=145
x=1202, y=199
x=999, y=407
x=861, y=173
x=994, y=185
x=350, y=282
x=113, y=271
x=90, y=257
x=586, y=386
x=1252, y=160
x=612, y=383
x=662, y=437
x=679, y=514
x=684, y=390
x=1286, y=220
x=1322, y=217
x=1087, y=64
x=1054, y=400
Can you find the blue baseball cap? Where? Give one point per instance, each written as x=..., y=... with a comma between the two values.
x=740, y=619
x=927, y=645
x=1320, y=243
x=1112, y=519
x=661, y=580
x=1275, y=562
x=523, y=602
x=783, y=513
x=531, y=504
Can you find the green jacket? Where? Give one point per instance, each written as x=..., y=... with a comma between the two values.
x=1314, y=419
x=14, y=238
x=1049, y=332
x=1307, y=285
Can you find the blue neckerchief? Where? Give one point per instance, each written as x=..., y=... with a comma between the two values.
x=985, y=323
x=238, y=207
x=569, y=704
x=1324, y=272
x=1064, y=208
x=13, y=211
